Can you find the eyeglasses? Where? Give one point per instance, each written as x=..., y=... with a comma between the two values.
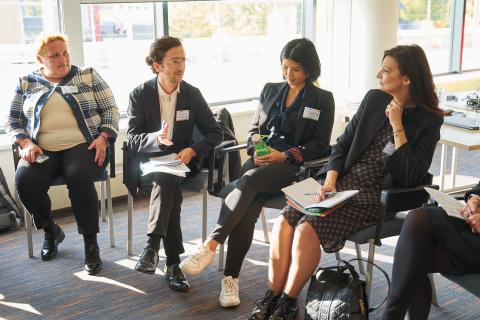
x=178, y=61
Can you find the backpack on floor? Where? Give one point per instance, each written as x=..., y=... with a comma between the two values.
x=10, y=216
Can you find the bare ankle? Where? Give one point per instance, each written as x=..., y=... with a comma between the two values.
x=212, y=244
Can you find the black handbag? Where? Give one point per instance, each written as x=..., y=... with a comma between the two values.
x=338, y=293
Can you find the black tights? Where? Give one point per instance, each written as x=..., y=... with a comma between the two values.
x=417, y=254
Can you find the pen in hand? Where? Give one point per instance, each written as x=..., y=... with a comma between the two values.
x=328, y=193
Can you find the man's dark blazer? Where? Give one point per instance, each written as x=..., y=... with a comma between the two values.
x=312, y=137
x=409, y=164
x=144, y=122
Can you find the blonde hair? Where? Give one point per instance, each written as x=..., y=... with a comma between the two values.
x=43, y=39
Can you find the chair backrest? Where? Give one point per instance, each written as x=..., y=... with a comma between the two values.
x=111, y=146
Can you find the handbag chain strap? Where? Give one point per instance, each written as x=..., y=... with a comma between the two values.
x=347, y=263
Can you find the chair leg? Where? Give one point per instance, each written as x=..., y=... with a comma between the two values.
x=359, y=256
x=204, y=214
x=221, y=257
x=265, y=228
x=28, y=226
x=129, y=224
x=368, y=276
x=102, y=201
x=434, y=291
x=221, y=251
x=110, y=211
x=337, y=255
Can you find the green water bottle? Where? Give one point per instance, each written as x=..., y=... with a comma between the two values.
x=259, y=145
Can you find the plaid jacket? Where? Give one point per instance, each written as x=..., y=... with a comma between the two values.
x=88, y=95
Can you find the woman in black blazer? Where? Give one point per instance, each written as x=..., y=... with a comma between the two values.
x=389, y=142
x=297, y=117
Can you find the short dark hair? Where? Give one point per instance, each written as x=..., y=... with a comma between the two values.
x=303, y=51
x=413, y=63
x=159, y=48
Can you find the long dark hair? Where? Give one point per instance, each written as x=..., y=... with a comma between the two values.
x=412, y=62
x=303, y=51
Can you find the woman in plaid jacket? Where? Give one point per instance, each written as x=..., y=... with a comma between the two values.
x=62, y=117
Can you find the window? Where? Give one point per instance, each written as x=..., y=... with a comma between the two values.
x=233, y=46
x=471, y=40
x=116, y=39
x=20, y=22
x=427, y=23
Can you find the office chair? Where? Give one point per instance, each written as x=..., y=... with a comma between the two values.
x=201, y=183
x=105, y=196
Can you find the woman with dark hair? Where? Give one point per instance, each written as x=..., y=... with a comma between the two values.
x=389, y=142
x=297, y=117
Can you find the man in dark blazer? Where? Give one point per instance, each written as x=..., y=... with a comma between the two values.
x=162, y=115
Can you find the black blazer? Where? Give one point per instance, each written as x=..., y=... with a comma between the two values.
x=312, y=137
x=409, y=164
x=144, y=123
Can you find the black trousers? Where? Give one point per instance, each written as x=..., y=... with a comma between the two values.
x=76, y=165
x=243, y=205
x=164, y=215
x=417, y=253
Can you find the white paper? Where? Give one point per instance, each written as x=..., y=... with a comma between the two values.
x=167, y=164
x=451, y=205
x=169, y=159
x=301, y=194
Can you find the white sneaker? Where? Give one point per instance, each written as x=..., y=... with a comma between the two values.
x=199, y=260
x=229, y=297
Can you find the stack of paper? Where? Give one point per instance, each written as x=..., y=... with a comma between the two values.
x=168, y=164
x=451, y=205
x=302, y=195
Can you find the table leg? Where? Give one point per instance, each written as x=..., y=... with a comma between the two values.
x=443, y=165
x=454, y=166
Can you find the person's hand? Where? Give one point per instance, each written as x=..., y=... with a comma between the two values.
x=274, y=156
x=394, y=114
x=186, y=155
x=474, y=222
x=100, y=146
x=162, y=137
x=29, y=151
x=471, y=207
x=328, y=186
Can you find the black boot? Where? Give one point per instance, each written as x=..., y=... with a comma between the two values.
x=93, y=264
x=50, y=245
x=264, y=306
x=286, y=309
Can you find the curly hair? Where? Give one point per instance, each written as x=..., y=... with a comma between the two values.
x=159, y=48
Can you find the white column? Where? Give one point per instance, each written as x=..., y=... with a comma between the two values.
x=72, y=27
x=373, y=30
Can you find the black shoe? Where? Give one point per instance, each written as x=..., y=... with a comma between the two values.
x=175, y=278
x=93, y=264
x=286, y=309
x=50, y=245
x=148, y=261
x=264, y=306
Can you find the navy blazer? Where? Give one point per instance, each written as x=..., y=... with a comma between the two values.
x=312, y=137
x=144, y=122
x=408, y=165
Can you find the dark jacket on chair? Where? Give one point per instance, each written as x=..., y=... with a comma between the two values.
x=408, y=165
x=312, y=137
x=144, y=123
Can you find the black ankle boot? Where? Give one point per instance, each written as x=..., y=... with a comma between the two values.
x=286, y=309
x=50, y=245
x=93, y=264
